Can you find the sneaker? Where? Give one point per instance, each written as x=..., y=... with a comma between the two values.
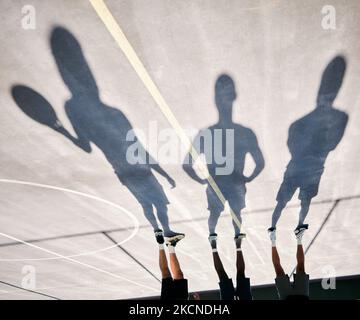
x=299, y=231
x=212, y=239
x=272, y=234
x=172, y=241
x=171, y=234
x=238, y=239
x=159, y=235
x=240, y=236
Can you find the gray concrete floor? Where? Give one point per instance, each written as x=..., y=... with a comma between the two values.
x=274, y=50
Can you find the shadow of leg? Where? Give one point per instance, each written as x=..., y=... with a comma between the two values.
x=213, y=220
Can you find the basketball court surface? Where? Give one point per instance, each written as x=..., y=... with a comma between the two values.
x=64, y=215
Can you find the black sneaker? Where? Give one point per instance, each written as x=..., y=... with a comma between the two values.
x=172, y=241
x=212, y=239
x=240, y=236
x=238, y=239
x=174, y=236
x=159, y=235
x=301, y=229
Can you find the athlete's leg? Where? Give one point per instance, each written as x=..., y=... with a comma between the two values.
x=165, y=271
x=274, y=254
x=300, y=267
x=276, y=262
x=240, y=263
x=174, y=262
x=175, y=266
x=300, y=256
x=164, y=268
x=216, y=258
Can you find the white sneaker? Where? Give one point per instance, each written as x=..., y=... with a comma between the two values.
x=272, y=234
x=212, y=239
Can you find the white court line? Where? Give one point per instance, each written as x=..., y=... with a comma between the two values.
x=45, y=186
x=77, y=262
x=118, y=35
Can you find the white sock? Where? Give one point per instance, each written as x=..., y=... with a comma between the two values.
x=238, y=249
x=161, y=246
x=273, y=243
x=214, y=250
x=299, y=241
x=171, y=249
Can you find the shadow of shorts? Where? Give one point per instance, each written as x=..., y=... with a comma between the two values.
x=234, y=194
x=306, y=182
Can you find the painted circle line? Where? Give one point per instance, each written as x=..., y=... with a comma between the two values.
x=82, y=194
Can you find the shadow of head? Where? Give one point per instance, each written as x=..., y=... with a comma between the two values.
x=72, y=64
x=225, y=93
x=331, y=81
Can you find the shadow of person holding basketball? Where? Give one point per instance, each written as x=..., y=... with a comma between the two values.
x=101, y=125
x=310, y=141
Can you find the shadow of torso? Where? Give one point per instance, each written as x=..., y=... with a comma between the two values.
x=312, y=137
x=228, y=148
x=107, y=128
x=244, y=142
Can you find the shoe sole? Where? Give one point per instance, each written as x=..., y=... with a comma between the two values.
x=174, y=238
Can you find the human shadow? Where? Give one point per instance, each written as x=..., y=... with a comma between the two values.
x=310, y=140
x=225, y=145
x=96, y=123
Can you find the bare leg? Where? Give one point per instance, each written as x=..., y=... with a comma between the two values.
x=175, y=267
x=276, y=262
x=240, y=265
x=300, y=267
x=305, y=205
x=219, y=267
x=165, y=272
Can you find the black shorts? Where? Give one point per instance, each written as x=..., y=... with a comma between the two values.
x=287, y=290
x=172, y=289
x=242, y=291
